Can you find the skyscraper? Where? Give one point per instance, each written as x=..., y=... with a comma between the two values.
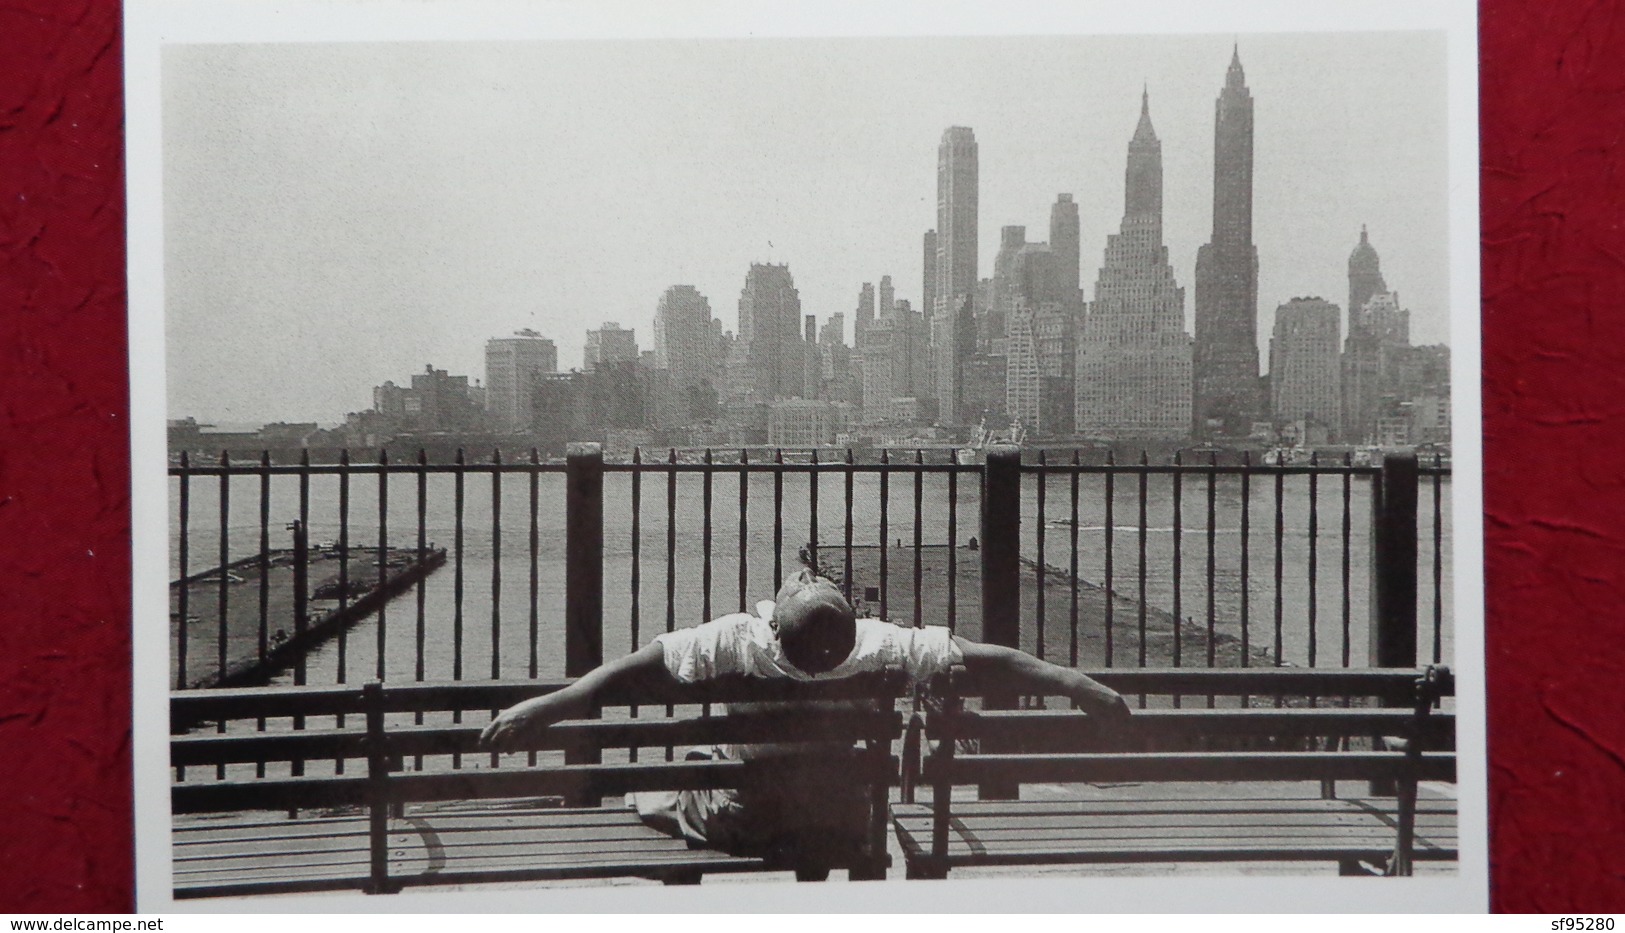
x=511, y=367
x=1134, y=357
x=1378, y=332
x=1365, y=275
x=928, y=291
x=610, y=343
x=770, y=332
x=1064, y=242
x=1226, y=362
x=688, y=347
x=865, y=316
x=1304, y=383
x=957, y=179
x=686, y=337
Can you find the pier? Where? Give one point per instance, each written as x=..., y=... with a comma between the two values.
x=252, y=614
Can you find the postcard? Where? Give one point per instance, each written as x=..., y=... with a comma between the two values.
x=792, y=457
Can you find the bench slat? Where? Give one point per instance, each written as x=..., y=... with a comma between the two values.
x=1395, y=685
x=1046, y=832
x=738, y=728
x=1188, y=766
x=1057, y=729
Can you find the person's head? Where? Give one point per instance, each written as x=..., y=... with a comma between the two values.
x=815, y=624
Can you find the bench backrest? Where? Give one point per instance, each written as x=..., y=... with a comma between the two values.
x=999, y=749
x=364, y=732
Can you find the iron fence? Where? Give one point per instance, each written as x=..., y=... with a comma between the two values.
x=552, y=565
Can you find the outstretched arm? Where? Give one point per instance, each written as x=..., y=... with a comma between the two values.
x=525, y=721
x=1024, y=673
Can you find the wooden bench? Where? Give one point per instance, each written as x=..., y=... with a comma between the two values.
x=1250, y=779
x=383, y=789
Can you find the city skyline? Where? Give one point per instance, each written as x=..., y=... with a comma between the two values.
x=221, y=364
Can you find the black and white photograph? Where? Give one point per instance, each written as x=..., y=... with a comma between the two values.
x=756, y=457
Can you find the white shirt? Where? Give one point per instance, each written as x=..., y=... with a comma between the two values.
x=742, y=643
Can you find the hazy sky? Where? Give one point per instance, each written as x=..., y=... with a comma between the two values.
x=339, y=215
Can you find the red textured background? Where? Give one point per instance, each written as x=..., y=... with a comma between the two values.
x=1553, y=87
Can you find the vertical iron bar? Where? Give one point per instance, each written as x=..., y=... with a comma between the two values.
x=184, y=556
x=812, y=514
x=1280, y=533
x=671, y=560
x=1212, y=554
x=265, y=565
x=637, y=544
x=535, y=554
x=1111, y=594
x=1438, y=561
x=1038, y=531
x=637, y=568
x=383, y=554
x=344, y=569
x=744, y=530
x=301, y=576
x=421, y=634
x=919, y=542
x=885, y=542
x=778, y=517
x=1246, y=568
x=1073, y=647
x=223, y=598
x=457, y=575
x=953, y=545
x=1348, y=461
x=1145, y=477
x=1179, y=573
x=1314, y=550
x=671, y=542
x=847, y=580
x=705, y=537
x=496, y=564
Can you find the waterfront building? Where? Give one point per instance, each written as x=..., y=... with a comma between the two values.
x=1225, y=373
x=511, y=366
x=610, y=343
x=806, y=422
x=957, y=180
x=770, y=333
x=1304, y=374
x=1134, y=356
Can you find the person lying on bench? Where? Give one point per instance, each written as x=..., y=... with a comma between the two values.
x=809, y=632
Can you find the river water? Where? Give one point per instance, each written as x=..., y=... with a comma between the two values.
x=487, y=590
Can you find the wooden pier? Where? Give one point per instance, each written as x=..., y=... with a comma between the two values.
x=240, y=632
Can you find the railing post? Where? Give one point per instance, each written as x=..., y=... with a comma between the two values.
x=1392, y=633
x=584, y=577
x=1393, y=562
x=1001, y=546
x=584, y=559
x=1001, y=575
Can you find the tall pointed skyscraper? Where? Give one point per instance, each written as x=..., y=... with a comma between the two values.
x=1227, y=398
x=957, y=179
x=1134, y=357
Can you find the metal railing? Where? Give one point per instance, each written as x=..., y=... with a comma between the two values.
x=1093, y=564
